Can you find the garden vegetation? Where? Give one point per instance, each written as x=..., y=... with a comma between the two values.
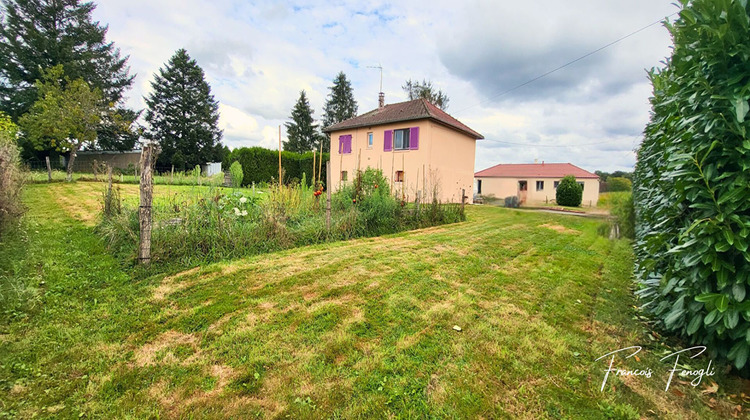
x=220, y=225
x=569, y=192
x=692, y=183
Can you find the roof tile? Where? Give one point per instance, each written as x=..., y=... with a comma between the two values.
x=404, y=111
x=534, y=170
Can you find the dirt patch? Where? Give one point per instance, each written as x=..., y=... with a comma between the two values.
x=168, y=286
x=560, y=228
x=148, y=354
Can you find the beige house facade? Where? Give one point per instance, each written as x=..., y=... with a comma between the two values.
x=534, y=183
x=420, y=149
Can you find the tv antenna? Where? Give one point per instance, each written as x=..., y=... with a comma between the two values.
x=379, y=67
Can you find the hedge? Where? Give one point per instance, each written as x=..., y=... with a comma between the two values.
x=262, y=165
x=692, y=183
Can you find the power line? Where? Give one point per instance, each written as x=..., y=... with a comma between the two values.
x=503, y=93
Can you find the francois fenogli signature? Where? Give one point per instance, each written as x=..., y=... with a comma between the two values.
x=631, y=351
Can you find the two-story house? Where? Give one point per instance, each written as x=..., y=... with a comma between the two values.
x=419, y=147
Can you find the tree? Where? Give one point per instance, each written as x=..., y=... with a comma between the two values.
x=40, y=34
x=11, y=175
x=340, y=104
x=691, y=188
x=66, y=115
x=619, y=184
x=569, y=192
x=182, y=115
x=425, y=90
x=302, y=135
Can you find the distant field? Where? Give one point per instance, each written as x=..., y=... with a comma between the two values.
x=355, y=329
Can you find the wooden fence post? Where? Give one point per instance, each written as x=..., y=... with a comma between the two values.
x=146, y=187
x=328, y=197
x=49, y=169
x=108, y=200
x=463, y=199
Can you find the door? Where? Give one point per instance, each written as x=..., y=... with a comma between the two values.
x=523, y=187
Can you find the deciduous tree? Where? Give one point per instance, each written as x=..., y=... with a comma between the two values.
x=425, y=90
x=40, y=34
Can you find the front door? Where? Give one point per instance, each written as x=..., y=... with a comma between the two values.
x=523, y=187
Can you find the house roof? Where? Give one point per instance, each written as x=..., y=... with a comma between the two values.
x=417, y=109
x=534, y=170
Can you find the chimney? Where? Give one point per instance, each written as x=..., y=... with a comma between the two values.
x=381, y=100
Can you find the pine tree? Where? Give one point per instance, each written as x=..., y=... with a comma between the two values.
x=183, y=115
x=340, y=104
x=36, y=35
x=425, y=90
x=302, y=135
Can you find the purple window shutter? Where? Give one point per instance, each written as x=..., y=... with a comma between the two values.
x=348, y=144
x=388, y=140
x=414, y=138
x=341, y=144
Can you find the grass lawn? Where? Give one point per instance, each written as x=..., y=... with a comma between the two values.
x=362, y=328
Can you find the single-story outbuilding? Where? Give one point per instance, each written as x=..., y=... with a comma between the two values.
x=534, y=183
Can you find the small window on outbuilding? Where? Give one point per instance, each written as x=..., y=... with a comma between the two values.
x=556, y=184
x=581, y=184
x=344, y=176
x=399, y=176
x=540, y=185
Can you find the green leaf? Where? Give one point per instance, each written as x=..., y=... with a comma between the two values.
x=711, y=317
x=738, y=291
x=722, y=303
x=707, y=297
x=694, y=324
x=741, y=108
x=731, y=319
x=739, y=353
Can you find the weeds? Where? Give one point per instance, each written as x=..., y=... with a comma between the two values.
x=215, y=225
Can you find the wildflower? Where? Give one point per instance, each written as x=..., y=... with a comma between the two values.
x=236, y=211
x=244, y=213
x=243, y=200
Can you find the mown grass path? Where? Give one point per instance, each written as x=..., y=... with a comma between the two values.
x=362, y=328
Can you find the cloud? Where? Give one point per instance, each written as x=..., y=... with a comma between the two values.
x=258, y=55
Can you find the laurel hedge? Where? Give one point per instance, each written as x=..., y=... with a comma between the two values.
x=692, y=183
x=262, y=165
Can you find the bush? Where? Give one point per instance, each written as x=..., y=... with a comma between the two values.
x=569, y=192
x=235, y=170
x=262, y=165
x=11, y=175
x=616, y=184
x=692, y=184
x=624, y=214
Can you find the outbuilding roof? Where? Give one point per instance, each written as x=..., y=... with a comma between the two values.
x=417, y=109
x=534, y=170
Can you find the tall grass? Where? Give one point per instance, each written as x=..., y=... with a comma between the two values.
x=162, y=178
x=214, y=225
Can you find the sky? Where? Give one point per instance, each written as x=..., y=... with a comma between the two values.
x=258, y=56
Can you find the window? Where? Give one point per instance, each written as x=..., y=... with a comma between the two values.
x=369, y=140
x=522, y=185
x=399, y=176
x=556, y=184
x=344, y=175
x=401, y=139
x=479, y=186
x=581, y=184
x=540, y=185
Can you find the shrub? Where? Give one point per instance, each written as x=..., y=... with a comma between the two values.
x=615, y=184
x=11, y=176
x=569, y=192
x=235, y=170
x=692, y=184
x=624, y=214
x=262, y=165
